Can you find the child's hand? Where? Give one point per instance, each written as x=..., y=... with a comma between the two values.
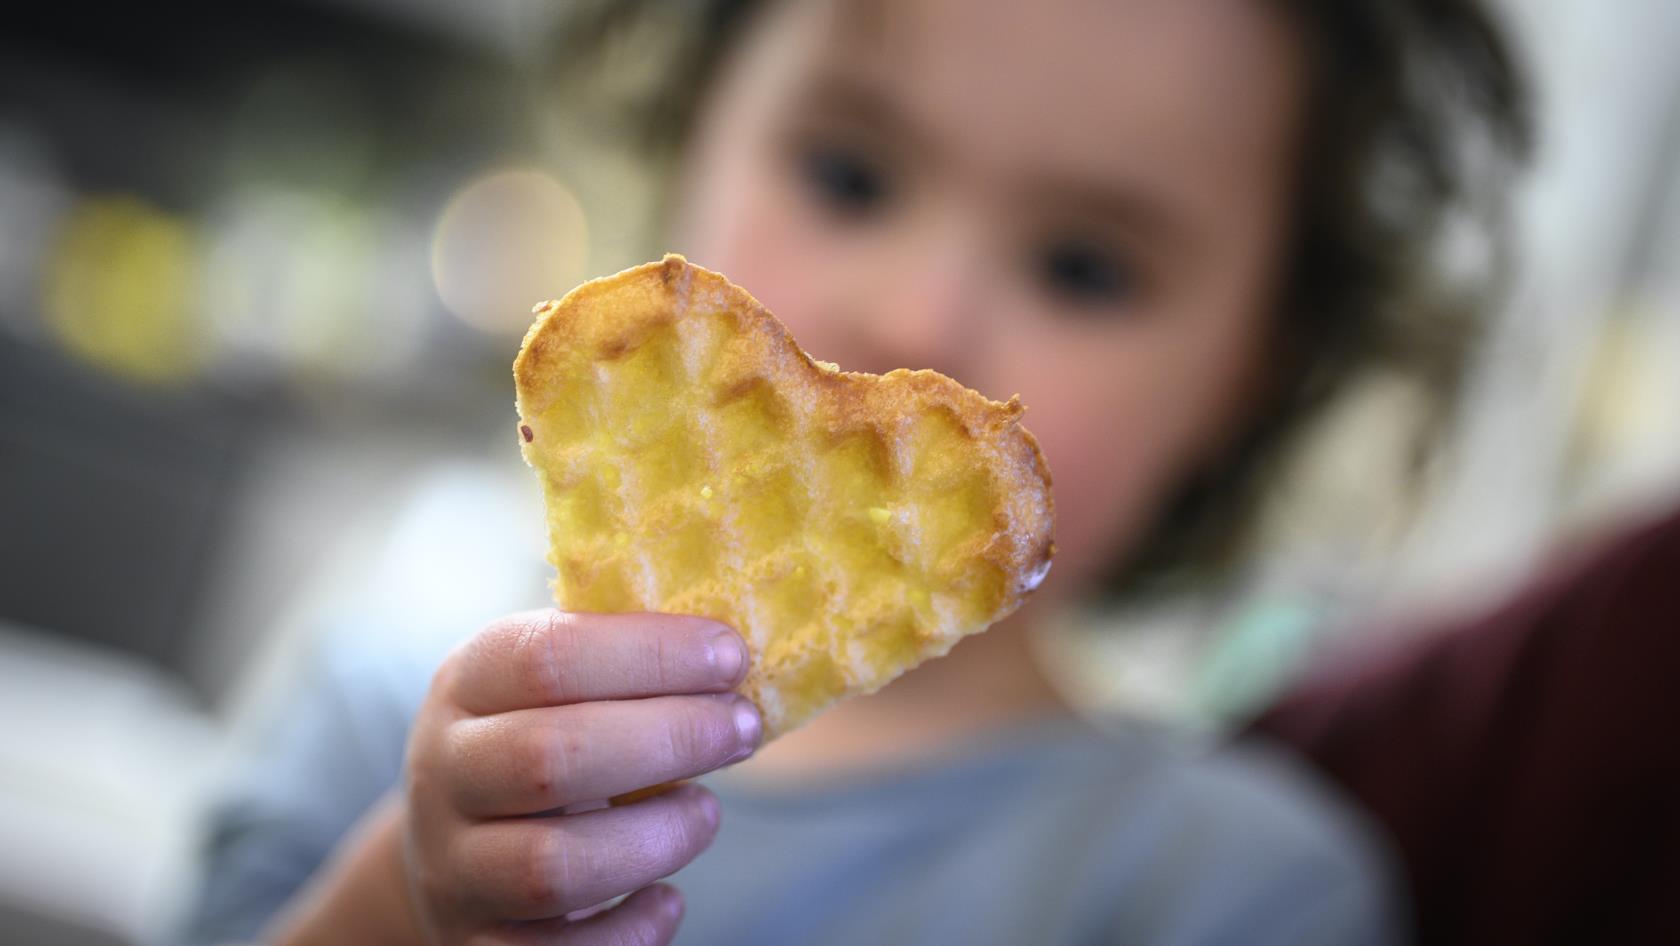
x=546, y=710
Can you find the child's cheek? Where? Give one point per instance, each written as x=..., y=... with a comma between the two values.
x=759, y=242
x=1121, y=430
x=1104, y=484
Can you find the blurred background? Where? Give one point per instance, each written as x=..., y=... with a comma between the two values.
x=263, y=270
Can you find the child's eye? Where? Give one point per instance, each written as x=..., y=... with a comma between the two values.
x=1084, y=273
x=843, y=179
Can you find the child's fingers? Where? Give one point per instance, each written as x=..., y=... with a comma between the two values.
x=550, y=658
x=535, y=760
x=542, y=868
x=647, y=917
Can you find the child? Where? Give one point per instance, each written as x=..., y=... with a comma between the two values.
x=1159, y=222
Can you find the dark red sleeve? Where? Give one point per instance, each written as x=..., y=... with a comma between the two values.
x=1527, y=764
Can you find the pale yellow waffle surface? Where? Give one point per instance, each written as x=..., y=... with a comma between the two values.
x=694, y=460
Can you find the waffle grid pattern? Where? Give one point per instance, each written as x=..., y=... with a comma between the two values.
x=695, y=461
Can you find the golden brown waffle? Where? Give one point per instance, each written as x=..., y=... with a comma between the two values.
x=694, y=460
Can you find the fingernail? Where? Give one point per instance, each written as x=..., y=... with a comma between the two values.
x=673, y=903
x=748, y=726
x=729, y=655
x=709, y=808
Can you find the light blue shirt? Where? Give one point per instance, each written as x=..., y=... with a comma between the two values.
x=1053, y=832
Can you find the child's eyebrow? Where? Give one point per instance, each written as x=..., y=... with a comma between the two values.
x=851, y=98
x=1135, y=209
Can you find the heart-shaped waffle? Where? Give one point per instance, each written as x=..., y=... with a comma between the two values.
x=694, y=460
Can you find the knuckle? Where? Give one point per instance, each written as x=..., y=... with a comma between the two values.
x=539, y=650
x=541, y=761
x=445, y=683
x=660, y=672
x=695, y=737
x=676, y=837
x=654, y=849
x=680, y=834
x=670, y=656
x=546, y=872
x=432, y=762
x=449, y=749
x=436, y=871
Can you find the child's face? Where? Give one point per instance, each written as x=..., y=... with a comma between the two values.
x=1080, y=201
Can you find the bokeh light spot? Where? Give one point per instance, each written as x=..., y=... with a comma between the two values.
x=505, y=242
x=118, y=289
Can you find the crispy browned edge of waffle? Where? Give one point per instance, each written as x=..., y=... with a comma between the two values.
x=1025, y=515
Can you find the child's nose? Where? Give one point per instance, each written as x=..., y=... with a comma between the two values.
x=924, y=312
